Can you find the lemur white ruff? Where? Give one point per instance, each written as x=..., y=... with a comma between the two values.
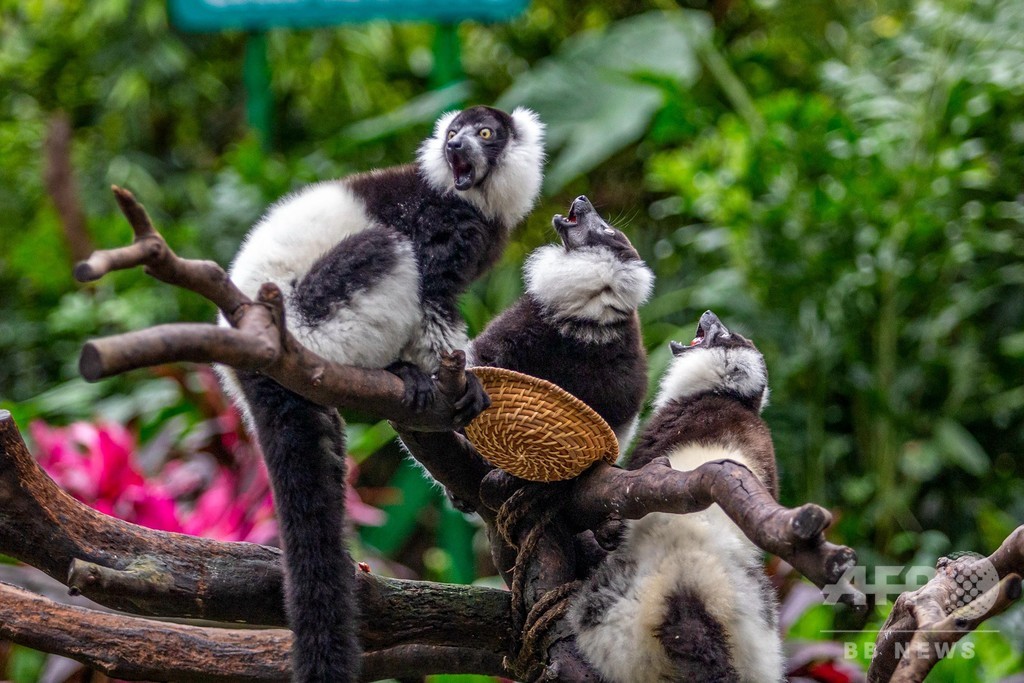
x=371, y=267
x=684, y=597
x=577, y=323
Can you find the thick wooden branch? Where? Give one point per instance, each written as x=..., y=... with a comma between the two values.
x=133, y=648
x=263, y=342
x=925, y=623
x=42, y=525
x=155, y=573
x=192, y=342
x=142, y=649
x=795, y=535
x=539, y=546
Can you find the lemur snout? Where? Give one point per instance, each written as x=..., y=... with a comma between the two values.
x=580, y=206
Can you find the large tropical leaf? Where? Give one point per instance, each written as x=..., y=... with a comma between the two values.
x=599, y=93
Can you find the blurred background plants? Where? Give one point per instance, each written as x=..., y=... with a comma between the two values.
x=841, y=181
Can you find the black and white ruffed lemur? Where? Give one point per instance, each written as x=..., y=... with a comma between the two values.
x=577, y=324
x=370, y=267
x=685, y=597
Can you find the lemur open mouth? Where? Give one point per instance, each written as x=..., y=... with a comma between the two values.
x=462, y=170
x=699, y=336
x=581, y=206
x=708, y=323
x=563, y=223
x=572, y=217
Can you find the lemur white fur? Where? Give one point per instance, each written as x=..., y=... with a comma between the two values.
x=740, y=370
x=519, y=177
x=375, y=326
x=588, y=282
x=704, y=552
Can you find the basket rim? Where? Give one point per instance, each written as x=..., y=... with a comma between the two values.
x=585, y=412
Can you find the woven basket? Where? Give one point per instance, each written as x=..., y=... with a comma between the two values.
x=536, y=430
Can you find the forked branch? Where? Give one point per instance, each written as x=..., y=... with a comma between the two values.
x=924, y=624
x=794, y=534
x=257, y=340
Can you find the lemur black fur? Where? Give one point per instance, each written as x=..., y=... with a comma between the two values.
x=684, y=597
x=577, y=323
x=370, y=267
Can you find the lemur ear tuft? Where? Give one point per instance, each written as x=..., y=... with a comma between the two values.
x=529, y=128
x=443, y=121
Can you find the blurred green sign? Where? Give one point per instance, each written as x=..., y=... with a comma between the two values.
x=215, y=15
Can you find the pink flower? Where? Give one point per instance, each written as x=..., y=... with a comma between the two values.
x=194, y=492
x=94, y=464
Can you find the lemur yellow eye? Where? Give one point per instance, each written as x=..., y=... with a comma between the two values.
x=486, y=133
x=451, y=134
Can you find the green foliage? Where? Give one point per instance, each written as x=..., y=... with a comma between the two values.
x=599, y=92
x=869, y=238
x=840, y=181
x=24, y=665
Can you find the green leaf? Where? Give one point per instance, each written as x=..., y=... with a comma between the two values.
x=421, y=109
x=365, y=440
x=960, y=448
x=1012, y=345
x=24, y=665
x=595, y=94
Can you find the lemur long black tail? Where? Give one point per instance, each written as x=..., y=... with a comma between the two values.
x=304, y=447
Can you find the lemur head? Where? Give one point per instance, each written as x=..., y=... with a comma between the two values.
x=717, y=361
x=584, y=227
x=594, y=281
x=492, y=159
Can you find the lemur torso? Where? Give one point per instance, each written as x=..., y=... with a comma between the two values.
x=370, y=268
x=577, y=324
x=684, y=597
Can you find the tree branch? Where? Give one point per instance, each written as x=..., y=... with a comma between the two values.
x=925, y=623
x=132, y=648
x=59, y=180
x=156, y=573
x=143, y=649
x=262, y=341
x=796, y=535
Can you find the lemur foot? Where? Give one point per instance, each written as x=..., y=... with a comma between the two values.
x=472, y=403
x=419, y=386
